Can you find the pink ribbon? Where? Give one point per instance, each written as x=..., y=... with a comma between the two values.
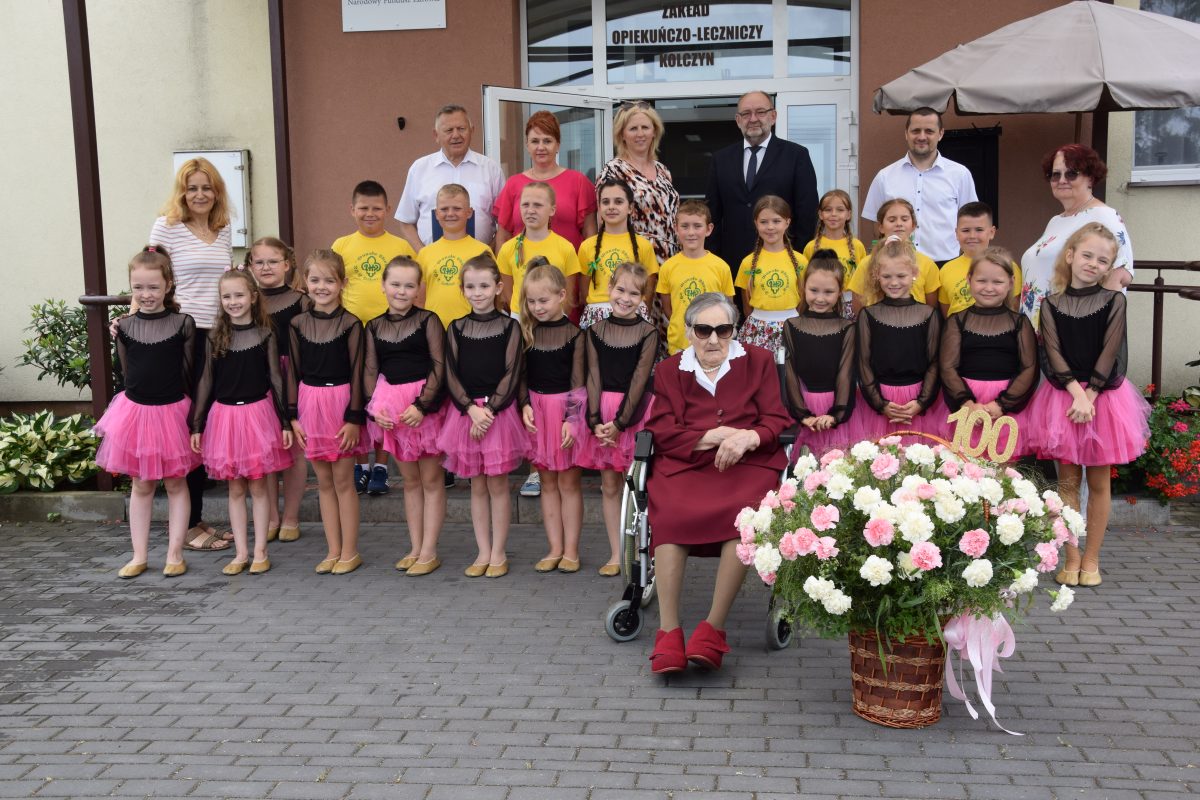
x=985, y=641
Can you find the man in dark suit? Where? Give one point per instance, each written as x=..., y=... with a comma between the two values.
x=759, y=165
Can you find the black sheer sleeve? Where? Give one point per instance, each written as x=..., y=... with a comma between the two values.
x=431, y=395
x=204, y=389
x=795, y=397
x=293, y=373
x=514, y=368
x=370, y=363
x=356, y=347
x=1054, y=363
x=933, y=340
x=1020, y=388
x=454, y=385
x=868, y=383
x=843, y=392
x=275, y=371
x=122, y=354
x=633, y=403
x=188, y=330
x=955, y=389
x=1111, y=363
x=579, y=361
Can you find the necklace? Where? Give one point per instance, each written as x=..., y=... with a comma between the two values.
x=1080, y=207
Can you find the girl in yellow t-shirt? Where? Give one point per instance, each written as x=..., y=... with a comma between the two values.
x=834, y=232
x=615, y=244
x=770, y=276
x=897, y=218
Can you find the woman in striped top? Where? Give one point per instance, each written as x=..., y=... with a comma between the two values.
x=194, y=228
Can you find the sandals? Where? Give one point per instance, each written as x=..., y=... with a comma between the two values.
x=202, y=540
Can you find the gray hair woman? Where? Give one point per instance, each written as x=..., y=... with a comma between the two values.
x=716, y=421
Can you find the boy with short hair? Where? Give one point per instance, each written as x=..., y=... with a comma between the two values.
x=690, y=272
x=366, y=252
x=441, y=261
x=974, y=231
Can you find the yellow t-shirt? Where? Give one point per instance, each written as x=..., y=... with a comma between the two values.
x=683, y=278
x=956, y=293
x=365, y=258
x=927, y=283
x=842, y=248
x=616, y=250
x=776, y=283
x=441, y=263
x=554, y=248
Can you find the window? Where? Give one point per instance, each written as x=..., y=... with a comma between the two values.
x=1166, y=144
x=560, y=42
x=818, y=37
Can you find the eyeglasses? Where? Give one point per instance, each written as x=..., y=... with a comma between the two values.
x=751, y=113
x=705, y=331
x=274, y=262
x=628, y=104
x=1056, y=176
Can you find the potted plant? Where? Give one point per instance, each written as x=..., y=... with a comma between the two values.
x=904, y=549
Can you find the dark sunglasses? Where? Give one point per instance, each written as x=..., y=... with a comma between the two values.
x=704, y=331
x=1056, y=176
x=628, y=104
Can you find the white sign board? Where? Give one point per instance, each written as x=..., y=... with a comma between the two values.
x=392, y=15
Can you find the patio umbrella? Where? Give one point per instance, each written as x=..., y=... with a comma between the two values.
x=1083, y=56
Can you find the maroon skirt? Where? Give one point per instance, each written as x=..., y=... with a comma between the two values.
x=696, y=508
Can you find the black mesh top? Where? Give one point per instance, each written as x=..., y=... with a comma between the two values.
x=327, y=350
x=1083, y=338
x=989, y=344
x=554, y=362
x=283, y=303
x=484, y=359
x=898, y=346
x=405, y=348
x=156, y=352
x=246, y=373
x=620, y=358
x=820, y=357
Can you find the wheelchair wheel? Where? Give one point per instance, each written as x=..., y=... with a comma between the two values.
x=779, y=630
x=651, y=590
x=623, y=622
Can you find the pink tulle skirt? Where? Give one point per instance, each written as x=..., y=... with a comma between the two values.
x=986, y=392
x=867, y=423
x=321, y=410
x=403, y=442
x=1118, y=434
x=146, y=442
x=550, y=411
x=499, y=452
x=590, y=454
x=243, y=441
x=818, y=442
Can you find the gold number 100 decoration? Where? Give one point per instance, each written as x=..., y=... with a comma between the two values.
x=964, y=425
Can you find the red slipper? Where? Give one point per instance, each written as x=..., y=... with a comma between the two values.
x=707, y=646
x=668, y=652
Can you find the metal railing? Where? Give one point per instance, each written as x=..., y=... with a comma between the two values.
x=1160, y=289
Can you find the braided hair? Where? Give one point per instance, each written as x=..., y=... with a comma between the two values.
x=771, y=202
x=594, y=266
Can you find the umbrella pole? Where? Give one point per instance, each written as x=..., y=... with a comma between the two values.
x=1078, y=126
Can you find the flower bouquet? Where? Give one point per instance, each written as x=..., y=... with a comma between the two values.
x=907, y=547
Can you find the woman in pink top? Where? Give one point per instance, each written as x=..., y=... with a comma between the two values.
x=575, y=197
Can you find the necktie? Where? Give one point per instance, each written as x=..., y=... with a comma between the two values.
x=752, y=169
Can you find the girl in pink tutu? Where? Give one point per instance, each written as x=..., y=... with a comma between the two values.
x=273, y=265
x=552, y=403
x=145, y=429
x=404, y=377
x=238, y=423
x=325, y=403
x=989, y=350
x=770, y=276
x=482, y=437
x=898, y=341
x=820, y=359
x=620, y=361
x=1089, y=417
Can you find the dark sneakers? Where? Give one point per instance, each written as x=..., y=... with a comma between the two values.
x=378, y=483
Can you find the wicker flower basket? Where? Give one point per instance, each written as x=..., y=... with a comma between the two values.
x=909, y=695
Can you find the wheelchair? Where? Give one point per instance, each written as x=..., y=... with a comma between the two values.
x=624, y=619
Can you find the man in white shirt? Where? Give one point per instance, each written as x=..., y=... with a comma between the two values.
x=936, y=186
x=454, y=162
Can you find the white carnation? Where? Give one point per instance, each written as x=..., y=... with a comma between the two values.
x=1063, y=599
x=978, y=572
x=920, y=454
x=805, y=465
x=839, y=486
x=1024, y=489
x=911, y=482
x=836, y=602
x=1026, y=582
x=916, y=527
x=965, y=488
x=876, y=570
x=1074, y=520
x=1036, y=508
x=818, y=588
x=761, y=519
x=1009, y=528
x=865, y=451
x=949, y=509
x=767, y=559
x=839, y=466
x=942, y=487
x=866, y=498
x=745, y=518
x=991, y=490
x=886, y=511
x=907, y=570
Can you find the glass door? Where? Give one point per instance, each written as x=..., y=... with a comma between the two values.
x=822, y=121
x=586, y=124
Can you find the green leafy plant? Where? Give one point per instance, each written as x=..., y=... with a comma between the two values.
x=59, y=345
x=1170, y=467
x=39, y=452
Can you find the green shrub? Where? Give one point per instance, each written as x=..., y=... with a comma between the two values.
x=59, y=345
x=39, y=452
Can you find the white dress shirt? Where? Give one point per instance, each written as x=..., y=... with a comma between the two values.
x=936, y=194
x=480, y=175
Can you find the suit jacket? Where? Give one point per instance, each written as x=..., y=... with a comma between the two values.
x=785, y=169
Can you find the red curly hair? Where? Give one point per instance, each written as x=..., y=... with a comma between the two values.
x=1078, y=157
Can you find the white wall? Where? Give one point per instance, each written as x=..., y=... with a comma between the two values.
x=167, y=75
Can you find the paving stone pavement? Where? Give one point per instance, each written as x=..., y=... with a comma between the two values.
x=373, y=685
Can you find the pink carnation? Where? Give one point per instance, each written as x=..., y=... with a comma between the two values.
x=830, y=457
x=925, y=556
x=806, y=542
x=950, y=469
x=1061, y=532
x=826, y=548
x=890, y=440
x=972, y=471
x=815, y=480
x=1011, y=473
x=787, y=491
x=1020, y=506
x=974, y=543
x=905, y=496
x=926, y=491
x=1049, y=555
x=789, y=546
x=825, y=517
x=879, y=532
x=885, y=466
x=770, y=501
x=1054, y=504
x=768, y=579
x=745, y=553
x=747, y=534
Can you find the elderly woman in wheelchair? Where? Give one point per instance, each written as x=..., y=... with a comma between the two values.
x=716, y=423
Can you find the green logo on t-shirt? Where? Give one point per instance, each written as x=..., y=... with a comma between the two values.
x=776, y=283
x=610, y=259
x=964, y=292
x=691, y=288
x=447, y=269
x=370, y=266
